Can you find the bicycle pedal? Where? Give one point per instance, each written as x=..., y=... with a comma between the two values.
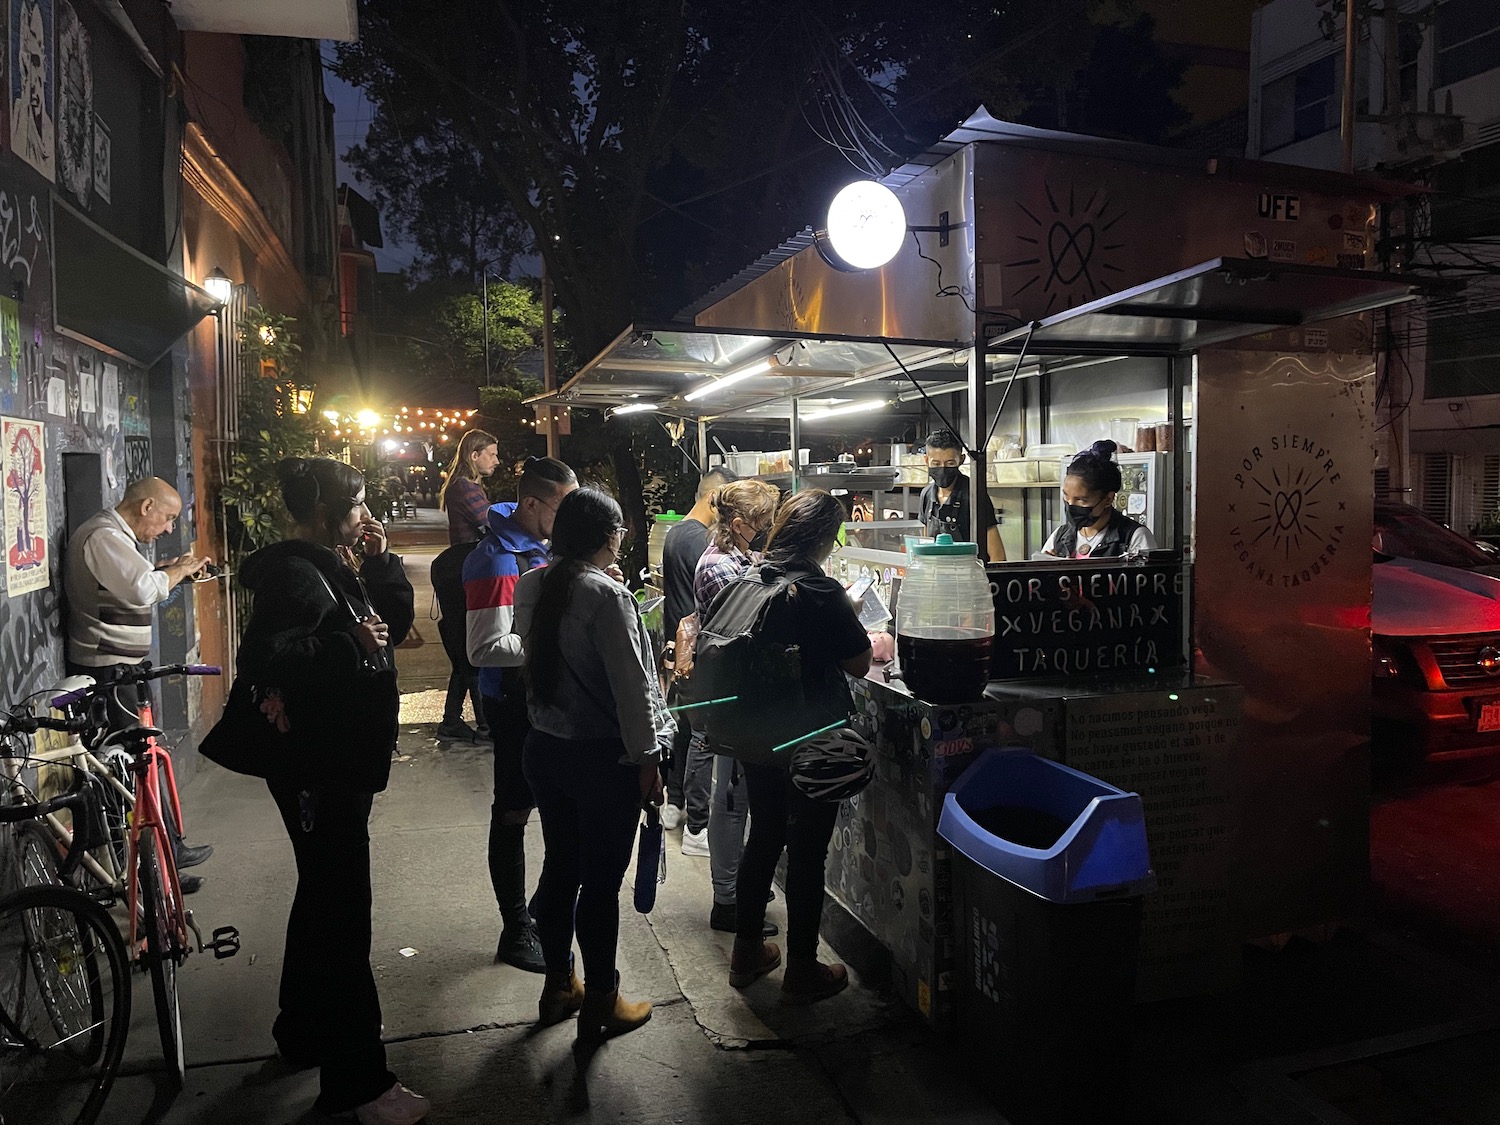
x=226, y=942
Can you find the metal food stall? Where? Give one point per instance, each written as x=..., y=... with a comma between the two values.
x=1055, y=289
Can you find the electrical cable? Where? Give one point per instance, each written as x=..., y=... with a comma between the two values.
x=943, y=290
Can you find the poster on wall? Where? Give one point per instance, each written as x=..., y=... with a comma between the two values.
x=109, y=397
x=10, y=343
x=75, y=105
x=31, y=89
x=24, y=470
x=101, y=159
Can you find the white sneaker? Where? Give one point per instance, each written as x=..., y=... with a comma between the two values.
x=671, y=817
x=695, y=843
x=397, y=1106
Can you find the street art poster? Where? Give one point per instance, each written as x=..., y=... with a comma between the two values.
x=109, y=397
x=75, y=105
x=31, y=86
x=24, y=470
x=10, y=343
x=101, y=159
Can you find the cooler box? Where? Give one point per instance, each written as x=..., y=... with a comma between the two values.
x=1049, y=867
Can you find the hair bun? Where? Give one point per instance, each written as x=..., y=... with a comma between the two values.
x=1105, y=450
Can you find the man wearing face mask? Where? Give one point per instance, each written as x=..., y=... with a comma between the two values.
x=1094, y=527
x=945, y=502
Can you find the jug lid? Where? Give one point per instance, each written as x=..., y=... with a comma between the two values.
x=668, y=516
x=944, y=545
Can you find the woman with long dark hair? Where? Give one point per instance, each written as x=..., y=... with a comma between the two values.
x=832, y=643
x=593, y=756
x=330, y=602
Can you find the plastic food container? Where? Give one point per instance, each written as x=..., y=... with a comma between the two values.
x=657, y=540
x=744, y=464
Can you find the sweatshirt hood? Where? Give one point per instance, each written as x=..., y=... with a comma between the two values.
x=265, y=564
x=512, y=536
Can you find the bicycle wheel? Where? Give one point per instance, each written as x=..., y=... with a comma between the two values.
x=161, y=958
x=37, y=859
x=64, y=1006
x=115, y=808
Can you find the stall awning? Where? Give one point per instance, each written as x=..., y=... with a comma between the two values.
x=116, y=298
x=663, y=365
x=1222, y=299
x=292, y=19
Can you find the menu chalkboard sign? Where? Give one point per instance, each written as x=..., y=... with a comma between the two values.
x=1076, y=619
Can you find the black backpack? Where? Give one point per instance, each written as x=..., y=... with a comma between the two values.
x=748, y=678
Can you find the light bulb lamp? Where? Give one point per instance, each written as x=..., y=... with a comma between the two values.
x=759, y=367
x=633, y=408
x=866, y=226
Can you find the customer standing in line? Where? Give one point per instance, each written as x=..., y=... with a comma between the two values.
x=330, y=603
x=515, y=543
x=468, y=508
x=742, y=515
x=823, y=623
x=690, y=778
x=593, y=756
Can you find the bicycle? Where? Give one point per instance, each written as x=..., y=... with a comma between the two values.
x=162, y=930
x=64, y=993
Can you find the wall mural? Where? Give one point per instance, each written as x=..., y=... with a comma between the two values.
x=101, y=159
x=75, y=105
x=31, y=86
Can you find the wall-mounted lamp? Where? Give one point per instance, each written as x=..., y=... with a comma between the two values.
x=865, y=228
x=220, y=286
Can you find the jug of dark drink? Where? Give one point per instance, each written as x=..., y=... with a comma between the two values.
x=945, y=622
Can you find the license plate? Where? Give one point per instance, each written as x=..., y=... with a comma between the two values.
x=1489, y=716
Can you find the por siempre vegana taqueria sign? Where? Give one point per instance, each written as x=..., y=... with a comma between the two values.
x=1070, y=621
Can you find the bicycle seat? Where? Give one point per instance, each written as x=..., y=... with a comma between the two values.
x=129, y=736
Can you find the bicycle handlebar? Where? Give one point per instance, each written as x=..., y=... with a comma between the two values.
x=138, y=675
x=30, y=724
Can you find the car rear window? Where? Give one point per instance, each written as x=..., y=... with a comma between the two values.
x=1411, y=535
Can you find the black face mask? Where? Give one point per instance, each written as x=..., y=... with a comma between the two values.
x=758, y=543
x=1081, y=516
x=944, y=476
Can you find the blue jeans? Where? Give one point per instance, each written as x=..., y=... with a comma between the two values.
x=590, y=805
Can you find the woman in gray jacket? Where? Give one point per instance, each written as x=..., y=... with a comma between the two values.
x=593, y=756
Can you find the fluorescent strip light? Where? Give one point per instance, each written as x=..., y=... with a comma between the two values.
x=848, y=408
x=634, y=408
x=758, y=368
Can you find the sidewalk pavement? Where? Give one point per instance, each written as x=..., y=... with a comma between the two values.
x=1369, y=1022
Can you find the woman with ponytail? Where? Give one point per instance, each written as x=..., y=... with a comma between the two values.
x=1094, y=527
x=593, y=756
x=331, y=602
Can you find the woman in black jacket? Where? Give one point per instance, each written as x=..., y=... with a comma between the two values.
x=330, y=602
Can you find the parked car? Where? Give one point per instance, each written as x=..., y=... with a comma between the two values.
x=1435, y=624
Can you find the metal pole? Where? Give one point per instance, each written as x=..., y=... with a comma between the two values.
x=486, y=289
x=549, y=359
x=702, y=446
x=796, y=436
x=978, y=426
x=1346, y=111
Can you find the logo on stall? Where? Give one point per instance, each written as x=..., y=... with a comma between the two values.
x=1288, y=511
x=1071, y=246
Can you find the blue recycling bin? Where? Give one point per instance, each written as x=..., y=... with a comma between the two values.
x=1049, y=868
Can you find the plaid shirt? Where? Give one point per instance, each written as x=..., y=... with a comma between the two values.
x=468, y=511
x=716, y=569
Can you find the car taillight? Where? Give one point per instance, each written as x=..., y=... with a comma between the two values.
x=1392, y=662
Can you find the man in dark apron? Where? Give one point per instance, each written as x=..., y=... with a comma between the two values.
x=945, y=503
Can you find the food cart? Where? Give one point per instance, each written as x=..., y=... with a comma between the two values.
x=1057, y=289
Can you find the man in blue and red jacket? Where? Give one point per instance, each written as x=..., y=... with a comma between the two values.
x=514, y=544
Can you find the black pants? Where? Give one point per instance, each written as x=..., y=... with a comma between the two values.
x=590, y=805
x=781, y=816
x=330, y=1010
x=464, y=679
x=509, y=726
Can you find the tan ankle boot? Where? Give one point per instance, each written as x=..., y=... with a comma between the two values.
x=606, y=1013
x=749, y=962
x=561, y=997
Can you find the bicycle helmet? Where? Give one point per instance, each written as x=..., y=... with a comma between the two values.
x=833, y=766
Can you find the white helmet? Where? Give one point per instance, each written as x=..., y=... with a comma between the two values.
x=834, y=766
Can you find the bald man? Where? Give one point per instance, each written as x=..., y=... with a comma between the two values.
x=112, y=589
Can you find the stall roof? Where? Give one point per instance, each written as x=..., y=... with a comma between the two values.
x=664, y=364
x=1218, y=300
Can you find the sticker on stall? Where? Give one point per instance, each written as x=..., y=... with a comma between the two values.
x=1255, y=244
x=1315, y=339
x=1283, y=250
x=1354, y=240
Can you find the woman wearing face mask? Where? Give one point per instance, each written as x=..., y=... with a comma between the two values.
x=1094, y=527
x=742, y=515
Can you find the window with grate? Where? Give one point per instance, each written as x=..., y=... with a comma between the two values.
x=1437, y=479
x=1382, y=484
x=1489, y=488
x=1468, y=39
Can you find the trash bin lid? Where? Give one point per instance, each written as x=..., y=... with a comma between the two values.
x=1055, y=831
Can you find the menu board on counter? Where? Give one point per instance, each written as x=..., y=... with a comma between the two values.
x=1173, y=749
x=1072, y=619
